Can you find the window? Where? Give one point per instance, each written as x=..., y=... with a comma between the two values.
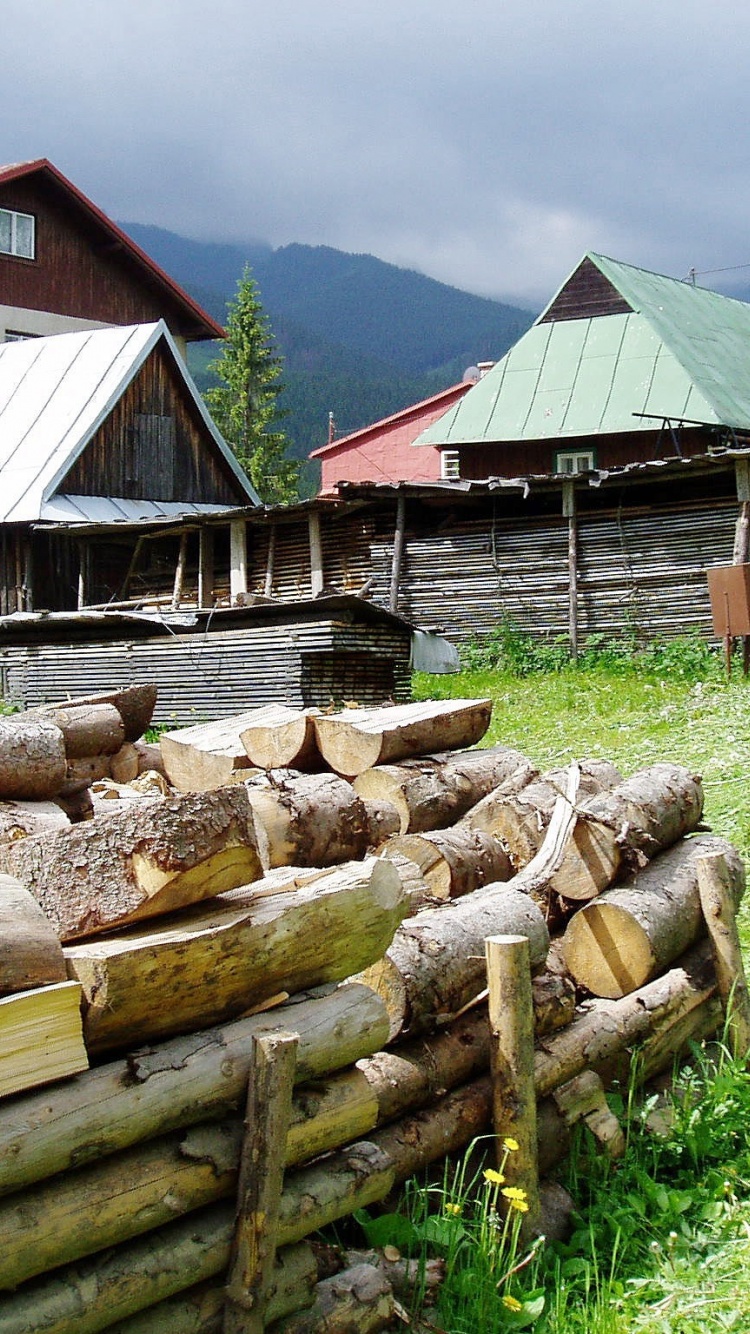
x=449, y=465
x=16, y=233
x=574, y=460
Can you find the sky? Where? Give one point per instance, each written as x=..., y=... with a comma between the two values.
x=488, y=145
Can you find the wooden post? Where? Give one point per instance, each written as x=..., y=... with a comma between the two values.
x=398, y=552
x=179, y=574
x=270, y=561
x=206, y=567
x=742, y=528
x=83, y=574
x=267, y=1118
x=131, y=568
x=237, y=561
x=316, y=554
x=511, y=1015
x=569, y=512
x=20, y=604
x=717, y=902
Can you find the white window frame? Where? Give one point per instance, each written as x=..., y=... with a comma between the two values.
x=572, y=461
x=450, y=465
x=14, y=216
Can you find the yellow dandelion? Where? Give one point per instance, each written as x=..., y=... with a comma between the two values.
x=514, y=1193
x=520, y=1205
x=454, y=1209
x=512, y=1303
x=495, y=1178
x=511, y=1144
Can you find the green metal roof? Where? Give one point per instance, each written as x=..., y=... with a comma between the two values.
x=681, y=353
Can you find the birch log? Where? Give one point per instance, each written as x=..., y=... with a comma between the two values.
x=213, y=962
x=141, y=862
x=452, y=862
x=630, y=933
x=435, y=964
x=356, y=739
x=437, y=790
x=312, y=819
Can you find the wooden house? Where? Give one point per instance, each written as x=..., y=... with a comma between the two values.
x=110, y=467
x=65, y=266
x=623, y=366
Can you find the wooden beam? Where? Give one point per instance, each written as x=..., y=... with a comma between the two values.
x=206, y=567
x=238, y=561
x=569, y=512
x=511, y=1016
x=179, y=574
x=398, y=553
x=316, y=554
x=270, y=562
x=267, y=1119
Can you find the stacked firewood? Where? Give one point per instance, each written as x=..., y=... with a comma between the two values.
x=249, y=902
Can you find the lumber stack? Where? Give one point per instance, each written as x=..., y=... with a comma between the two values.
x=196, y=926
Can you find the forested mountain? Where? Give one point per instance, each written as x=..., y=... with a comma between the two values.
x=358, y=337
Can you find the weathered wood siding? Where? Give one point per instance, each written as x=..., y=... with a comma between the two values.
x=586, y=294
x=521, y=458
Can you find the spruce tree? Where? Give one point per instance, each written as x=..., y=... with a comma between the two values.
x=245, y=404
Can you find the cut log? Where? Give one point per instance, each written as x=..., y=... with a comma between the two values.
x=40, y=1037
x=414, y=884
x=32, y=758
x=453, y=862
x=356, y=739
x=177, y=1084
x=618, y=831
x=520, y=818
x=200, y=758
x=88, y=729
x=30, y=951
x=135, y=705
x=437, y=790
x=19, y=819
x=139, y=863
x=149, y=758
x=718, y=895
x=216, y=961
x=125, y=764
x=630, y=933
x=435, y=965
x=416, y=1073
x=282, y=738
x=359, y=1300
x=311, y=819
x=82, y=772
x=445, y=1127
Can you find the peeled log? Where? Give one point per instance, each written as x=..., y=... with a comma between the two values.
x=630, y=933
x=519, y=818
x=208, y=755
x=359, y=1300
x=32, y=757
x=282, y=738
x=435, y=791
x=416, y=1073
x=135, y=705
x=30, y=951
x=312, y=819
x=141, y=862
x=214, y=962
x=435, y=965
x=617, y=831
x=356, y=739
x=453, y=862
x=176, y=1084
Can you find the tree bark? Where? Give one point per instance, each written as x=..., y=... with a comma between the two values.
x=511, y=1016
x=435, y=791
x=356, y=739
x=139, y=863
x=282, y=738
x=356, y=1301
x=19, y=819
x=453, y=862
x=435, y=964
x=200, y=758
x=32, y=758
x=312, y=819
x=630, y=933
x=30, y=951
x=214, y=962
x=179, y=1083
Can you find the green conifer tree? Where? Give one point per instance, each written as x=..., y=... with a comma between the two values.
x=245, y=404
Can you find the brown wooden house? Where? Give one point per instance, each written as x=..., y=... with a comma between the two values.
x=65, y=266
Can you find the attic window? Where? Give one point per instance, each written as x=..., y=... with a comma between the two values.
x=575, y=460
x=450, y=469
x=16, y=233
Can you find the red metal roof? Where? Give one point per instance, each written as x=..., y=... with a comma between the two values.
x=446, y=397
x=206, y=327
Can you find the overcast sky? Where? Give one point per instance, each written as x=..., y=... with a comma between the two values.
x=486, y=144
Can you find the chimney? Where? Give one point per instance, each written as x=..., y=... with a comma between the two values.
x=484, y=367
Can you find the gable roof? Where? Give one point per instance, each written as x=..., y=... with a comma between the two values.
x=445, y=396
x=661, y=349
x=197, y=322
x=54, y=395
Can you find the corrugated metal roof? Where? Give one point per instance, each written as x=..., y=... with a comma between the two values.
x=54, y=395
x=681, y=353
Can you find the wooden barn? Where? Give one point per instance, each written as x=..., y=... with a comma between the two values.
x=65, y=266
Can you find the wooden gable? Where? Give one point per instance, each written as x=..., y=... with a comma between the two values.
x=154, y=446
x=586, y=294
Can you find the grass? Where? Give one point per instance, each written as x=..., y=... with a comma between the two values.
x=662, y=1239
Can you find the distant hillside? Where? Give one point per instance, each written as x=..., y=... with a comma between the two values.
x=358, y=337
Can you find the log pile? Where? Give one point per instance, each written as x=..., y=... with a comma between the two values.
x=200, y=928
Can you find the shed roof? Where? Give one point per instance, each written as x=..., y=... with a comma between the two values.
x=195, y=322
x=669, y=351
x=54, y=395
